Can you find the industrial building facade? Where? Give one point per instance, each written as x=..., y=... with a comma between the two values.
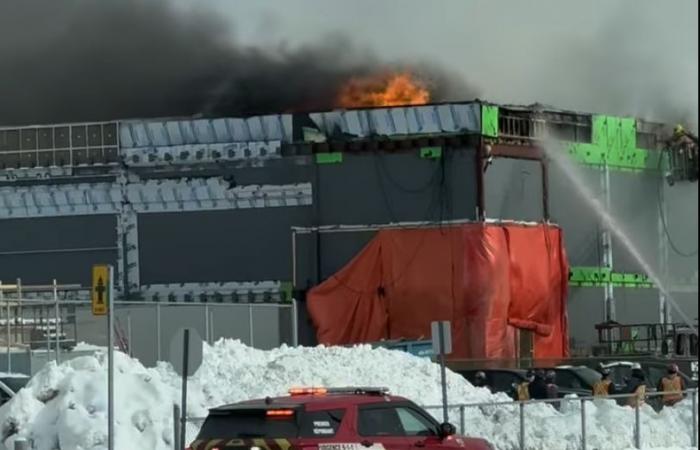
x=234, y=209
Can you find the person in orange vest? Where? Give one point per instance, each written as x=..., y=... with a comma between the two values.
x=671, y=385
x=637, y=385
x=523, y=389
x=604, y=386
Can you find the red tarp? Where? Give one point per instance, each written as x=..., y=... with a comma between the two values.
x=487, y=279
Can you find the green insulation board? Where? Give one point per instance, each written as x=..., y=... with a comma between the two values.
x=329, y=158
x=489, y=120
x=599, y=276
x=614, y=142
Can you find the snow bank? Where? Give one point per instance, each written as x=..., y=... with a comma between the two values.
x=64, y=407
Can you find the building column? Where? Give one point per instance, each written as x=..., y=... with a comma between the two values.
x=606, y=246
x=127, y=241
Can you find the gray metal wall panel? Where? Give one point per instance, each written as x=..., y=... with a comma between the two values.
x=634, y=199
x=428, y=119
x=337, y=249
x=383, y=188
x=568, y=208
x=514, y=190
x=682, y=226
x=241, y=245
x=66, y=268
x=64, y=248
x=58, y=233
x=585, y=308
x=162, y=133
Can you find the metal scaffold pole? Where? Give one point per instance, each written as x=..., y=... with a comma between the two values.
x=606, y=246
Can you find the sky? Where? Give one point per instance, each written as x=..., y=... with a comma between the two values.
x=83, y=59
x=622, y=56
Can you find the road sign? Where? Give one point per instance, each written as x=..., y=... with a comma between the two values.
x=177, y=348
x=441, y=337
x=102, y=294
x=186, y=357
x=100, y=289
x=442, y=345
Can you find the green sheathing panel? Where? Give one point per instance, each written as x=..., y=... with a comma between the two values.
x=329, y=158
x=489, y=120
x=431, y=152
x=597, y=277
x=614, y=140
x=286, y=291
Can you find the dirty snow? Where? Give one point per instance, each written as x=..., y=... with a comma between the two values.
x=64, y=407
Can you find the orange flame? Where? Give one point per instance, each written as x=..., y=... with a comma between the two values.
x=391, y=89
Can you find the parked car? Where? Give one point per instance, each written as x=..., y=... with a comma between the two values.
x=498, y=380
x=10, y=385
x=329, y=419
x=620, y=371
x=578, y=380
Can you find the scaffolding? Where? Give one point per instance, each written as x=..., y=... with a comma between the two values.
x=33, y=317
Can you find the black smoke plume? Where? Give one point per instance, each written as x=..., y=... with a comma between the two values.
x=79, y=60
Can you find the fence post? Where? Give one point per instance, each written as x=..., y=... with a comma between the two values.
x=158, y=332
x=56, y=325
x=211, y=327
x=176, y=427
x=583, y=424
x=694, y=436
x=295, y=323
x=637, y=425
x=522, y=425
x=130, y=344
x=206, y=324
x=250, y=324
x=8, y=330
x=462, y=425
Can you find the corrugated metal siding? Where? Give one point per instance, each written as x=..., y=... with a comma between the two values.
x=428, y=119
x=165, y=133
x=151, y=196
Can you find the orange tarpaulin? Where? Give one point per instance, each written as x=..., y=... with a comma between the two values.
x=486, y=279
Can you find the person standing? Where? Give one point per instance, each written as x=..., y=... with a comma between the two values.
x=604, y=387
x=636, y=386
x=671, y=385
x=481, y=381
x=538, y=386
x=551, y=381
x=523, y=389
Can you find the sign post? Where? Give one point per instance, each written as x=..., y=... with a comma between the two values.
x=102, y=303
x=442, y=345
x=186, y=357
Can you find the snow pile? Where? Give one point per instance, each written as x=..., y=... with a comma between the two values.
x=64, y=407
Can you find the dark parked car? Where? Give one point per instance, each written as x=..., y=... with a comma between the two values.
x=620, y=371
x=499, y=380
x=10, y=385
x=577, y=380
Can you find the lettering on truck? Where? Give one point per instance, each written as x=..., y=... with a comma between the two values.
x=350, y=446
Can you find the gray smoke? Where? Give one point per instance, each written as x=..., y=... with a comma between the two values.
x=77, y=60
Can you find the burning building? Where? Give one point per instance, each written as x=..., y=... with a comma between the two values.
x=380, y=218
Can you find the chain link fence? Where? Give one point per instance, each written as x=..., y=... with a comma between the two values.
x=517, y=415
x=35, y=330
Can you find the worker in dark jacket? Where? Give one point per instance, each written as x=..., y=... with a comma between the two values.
x=636, y=385
x=671, y=385
x=552, y=388
x=538, y=387
x=481, y=381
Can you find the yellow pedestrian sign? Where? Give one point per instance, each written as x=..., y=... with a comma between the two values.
x=100, y=289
